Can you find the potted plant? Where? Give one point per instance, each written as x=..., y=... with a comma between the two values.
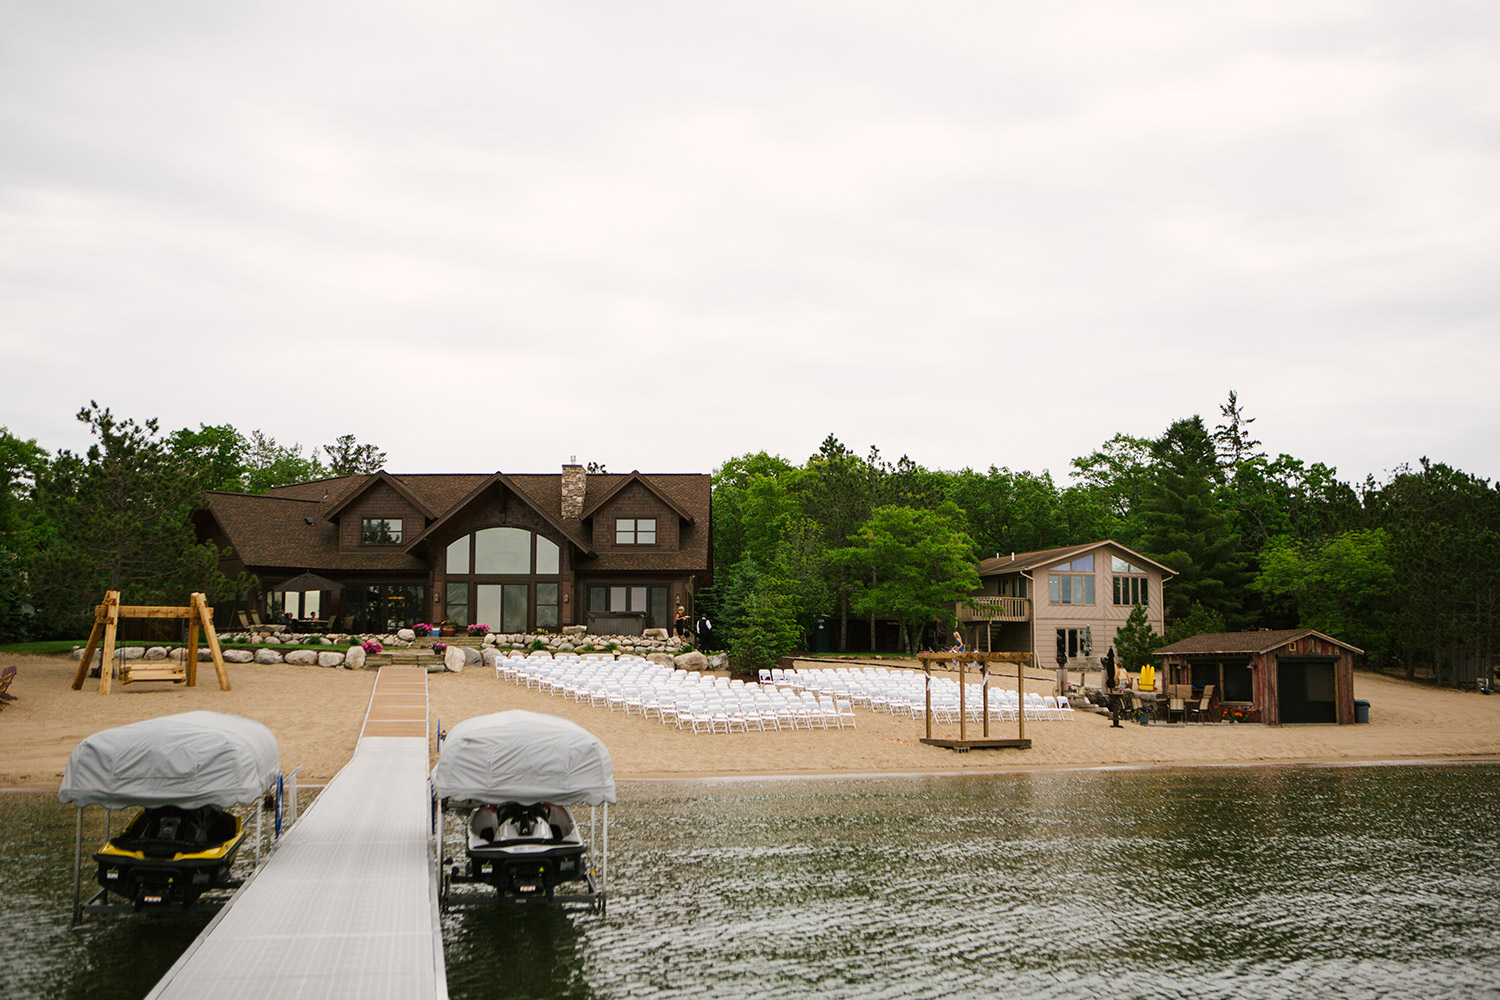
x=439, y=648
x=373, y=646
x=478, y=629
x=422, y=629
x=447, y=628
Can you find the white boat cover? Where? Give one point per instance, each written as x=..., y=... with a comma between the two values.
x=523, y=757
x=188, y=760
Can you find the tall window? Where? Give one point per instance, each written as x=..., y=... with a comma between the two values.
x=635, y=531
x=619, y=597
x=504, y=577
x=380, y=531
x=1072, y=582
x=1130, y=582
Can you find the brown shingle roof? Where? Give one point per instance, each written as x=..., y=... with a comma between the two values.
x=1023, y=561
x=273, y=531
x=1262, y=641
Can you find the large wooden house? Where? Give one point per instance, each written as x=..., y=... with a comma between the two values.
x=1069, y=600
x=517, y=552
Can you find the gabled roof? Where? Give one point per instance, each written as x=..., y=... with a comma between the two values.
x=380, y=477
x=1251, y=643
x=592, y=504
x=285, y=531
x=569, y=532
x=1023, y=561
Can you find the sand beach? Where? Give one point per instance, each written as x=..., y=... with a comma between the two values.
x=316, y=714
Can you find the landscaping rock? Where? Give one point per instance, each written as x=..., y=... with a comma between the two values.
x=690, y=661
x=354, y=658
x=490, y=657
x=238, y=656
x=654, y=633
x=661, y=659
x=718, y=661
x=156, y=653
x=130, y=653
x=302, y=657
x=454, y=659
x=405, y=634
x=331, y=659
x=266, y=656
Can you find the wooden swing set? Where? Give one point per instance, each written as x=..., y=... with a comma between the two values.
x=106, y=627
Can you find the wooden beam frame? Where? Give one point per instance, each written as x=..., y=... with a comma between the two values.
x=106, y=629
x=963, y=743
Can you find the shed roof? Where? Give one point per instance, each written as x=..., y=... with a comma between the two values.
x=1252, y=643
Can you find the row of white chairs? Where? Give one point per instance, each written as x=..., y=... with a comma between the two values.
x=905, y=693
x=699, y=703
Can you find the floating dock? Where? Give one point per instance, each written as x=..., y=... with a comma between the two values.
x=347, y=905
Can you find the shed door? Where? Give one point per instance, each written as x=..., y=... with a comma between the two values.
x=1305, y=691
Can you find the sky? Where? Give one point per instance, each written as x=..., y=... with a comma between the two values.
x=493, y=236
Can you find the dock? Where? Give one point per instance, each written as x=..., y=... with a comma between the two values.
x=347, y=905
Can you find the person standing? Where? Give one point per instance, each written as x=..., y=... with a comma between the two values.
x=680, y=622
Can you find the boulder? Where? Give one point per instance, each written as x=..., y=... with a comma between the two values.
x=302, y=657
x=574, y=629
x=472, y=656
x=654, y=633
x=156, y=653
x=267, y=656
x=490, y=657
x=331, y=658
x=565, y=647
x=205, y=655
x=238, y=656
x=130, y=653
x=661, y=659
x=690, y=661
x=718, y=661
x=354, y=658
x=454, y=659
x=405, y=634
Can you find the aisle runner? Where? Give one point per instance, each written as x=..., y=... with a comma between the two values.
x=346, y=906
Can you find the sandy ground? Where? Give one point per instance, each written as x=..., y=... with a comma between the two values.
x=317, y=713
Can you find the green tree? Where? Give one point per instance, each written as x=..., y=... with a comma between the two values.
x=121, y=512
x=214, y=457
x=1136, y=642
x=346, y=457
x=268, y=464
x=922, y=564
x=1342, y=587
x=766, y=628
x=1183, y=525
x=23, y=530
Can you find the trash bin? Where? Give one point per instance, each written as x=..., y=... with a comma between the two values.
x=1361, y=711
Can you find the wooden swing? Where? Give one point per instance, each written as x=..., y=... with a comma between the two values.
x=106, y=626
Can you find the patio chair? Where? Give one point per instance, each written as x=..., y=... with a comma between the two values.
x=1199, y=710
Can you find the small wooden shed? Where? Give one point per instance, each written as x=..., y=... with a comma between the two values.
x=1271, y=676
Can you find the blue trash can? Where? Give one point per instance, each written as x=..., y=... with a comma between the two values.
x=1361, y=711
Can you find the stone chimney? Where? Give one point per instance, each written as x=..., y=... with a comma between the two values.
x=574, y=483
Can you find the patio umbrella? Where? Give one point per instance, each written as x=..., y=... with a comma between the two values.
x=306, y=581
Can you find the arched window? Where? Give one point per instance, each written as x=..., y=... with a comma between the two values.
x=505, y=577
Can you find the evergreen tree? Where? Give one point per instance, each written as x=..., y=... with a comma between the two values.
x=346, y=457
x=1183, y=525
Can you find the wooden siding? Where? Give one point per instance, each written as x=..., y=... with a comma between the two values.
x=381, y=500
x=635, y=501
x=1264, y=675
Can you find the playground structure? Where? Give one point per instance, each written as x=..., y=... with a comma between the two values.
x=106, y=628
x=982, y=660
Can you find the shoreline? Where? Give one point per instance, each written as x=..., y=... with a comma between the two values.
x=317, y=713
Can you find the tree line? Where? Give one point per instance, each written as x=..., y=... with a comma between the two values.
x=118, y=516
x=1407, y=569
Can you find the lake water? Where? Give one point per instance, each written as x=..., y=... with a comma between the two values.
x=1224, y=882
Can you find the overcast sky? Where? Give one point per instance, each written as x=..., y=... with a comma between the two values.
x=490, y=235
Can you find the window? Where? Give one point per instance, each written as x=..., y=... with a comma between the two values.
x=1074, y=641
x=380, y=531
x=1131, y=588
x=635, y=531
x=1012, y=586
x=483, y=585
x=1071, y=588
x=1232, y=680
x=607, y=598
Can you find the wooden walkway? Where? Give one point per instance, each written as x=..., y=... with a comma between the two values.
x=347, y=905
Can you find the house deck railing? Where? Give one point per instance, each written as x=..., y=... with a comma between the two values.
x=995, y=609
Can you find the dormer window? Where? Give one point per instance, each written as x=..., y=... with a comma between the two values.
x=380, y=531
x=635, y=531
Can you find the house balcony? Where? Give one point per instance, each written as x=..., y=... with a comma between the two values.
x=995, y=609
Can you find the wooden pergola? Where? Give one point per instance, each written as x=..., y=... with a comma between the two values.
x=1021, y=660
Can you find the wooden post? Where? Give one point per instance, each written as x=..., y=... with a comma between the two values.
x=111, y=630
x=927, y=671
x=191, y=663
x=206, y=615
x=1021, y=695
x=963, y=708
x=95, y=635
x=984, y=691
